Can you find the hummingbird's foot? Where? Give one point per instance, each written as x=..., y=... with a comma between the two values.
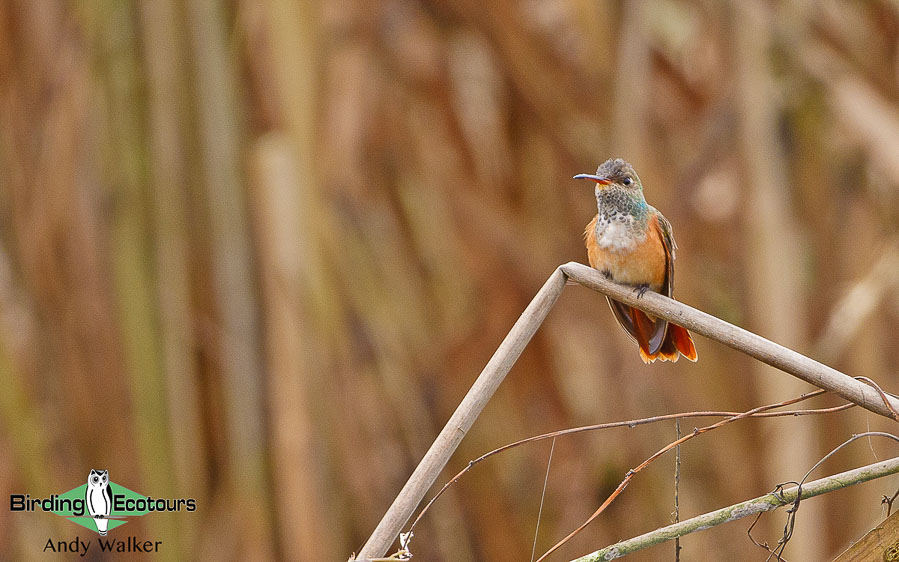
x=641, y=290
x=607, y=274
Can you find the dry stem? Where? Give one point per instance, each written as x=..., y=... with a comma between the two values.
x=660, y=306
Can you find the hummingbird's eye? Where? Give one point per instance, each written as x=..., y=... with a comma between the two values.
x=627, y=181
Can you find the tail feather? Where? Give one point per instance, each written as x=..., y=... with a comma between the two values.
x=677, y=342
x=653, y=330
x=643, y=329
x=681, y=339
x=669, y=351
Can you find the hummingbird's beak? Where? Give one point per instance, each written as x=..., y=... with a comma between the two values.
x=598, y=179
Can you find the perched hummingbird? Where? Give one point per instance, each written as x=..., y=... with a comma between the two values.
x=631, y=243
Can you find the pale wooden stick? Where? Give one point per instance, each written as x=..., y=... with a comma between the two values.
x=457, y=426
x=509, y=350
x=742, y=340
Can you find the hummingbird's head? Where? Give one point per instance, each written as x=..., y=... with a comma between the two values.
x=617, y=173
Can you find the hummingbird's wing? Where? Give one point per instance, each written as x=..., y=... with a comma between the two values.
x=663, y=228
x=676, y=338
x=660, y=226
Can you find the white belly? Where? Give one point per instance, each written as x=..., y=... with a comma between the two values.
x=616, y=236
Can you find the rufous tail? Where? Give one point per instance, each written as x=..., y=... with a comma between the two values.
x=649, y=334
x=677, y=342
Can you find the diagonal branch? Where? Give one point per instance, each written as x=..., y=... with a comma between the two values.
x=767, y=502
x=521, y=333
x=742, y=340
x=459, y=423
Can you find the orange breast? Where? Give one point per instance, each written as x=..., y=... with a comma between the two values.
x=644, y=264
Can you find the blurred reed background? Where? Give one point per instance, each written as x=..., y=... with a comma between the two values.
x=255, y=253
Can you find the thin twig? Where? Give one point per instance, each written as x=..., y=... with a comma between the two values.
x=889, y=502
x=764, y=503
x=677, y=488
x=542, y=497
x=847, y=442
x=791, y=513
x=630, y=424
x=883, y=396
x=777, y=491
x=631, y=473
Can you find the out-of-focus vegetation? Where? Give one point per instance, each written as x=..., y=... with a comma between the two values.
x=254, y=253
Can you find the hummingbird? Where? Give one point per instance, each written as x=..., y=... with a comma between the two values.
x=631, y=243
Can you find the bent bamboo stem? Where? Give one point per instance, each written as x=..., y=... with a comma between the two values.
x=514, y=343
x=462, y=419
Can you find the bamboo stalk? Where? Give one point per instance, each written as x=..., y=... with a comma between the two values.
x=660, y=306
x=163, y=52
x=292, y=429
x=768, y=502
x=220, y=131
x=132, y=270
x=463, y=418
x=764, y=350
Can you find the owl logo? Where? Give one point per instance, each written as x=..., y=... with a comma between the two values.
x=98, y=498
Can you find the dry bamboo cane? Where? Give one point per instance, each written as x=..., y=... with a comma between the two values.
x=510, y=349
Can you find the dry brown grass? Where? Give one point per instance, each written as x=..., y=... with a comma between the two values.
x=276, y=241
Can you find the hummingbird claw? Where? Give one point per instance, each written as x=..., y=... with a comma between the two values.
x=641, y=290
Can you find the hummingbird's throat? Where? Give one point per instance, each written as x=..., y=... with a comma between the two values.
x=621, y=220
x=611, y=202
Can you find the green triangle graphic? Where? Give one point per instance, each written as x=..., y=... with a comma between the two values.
x=121, y=495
